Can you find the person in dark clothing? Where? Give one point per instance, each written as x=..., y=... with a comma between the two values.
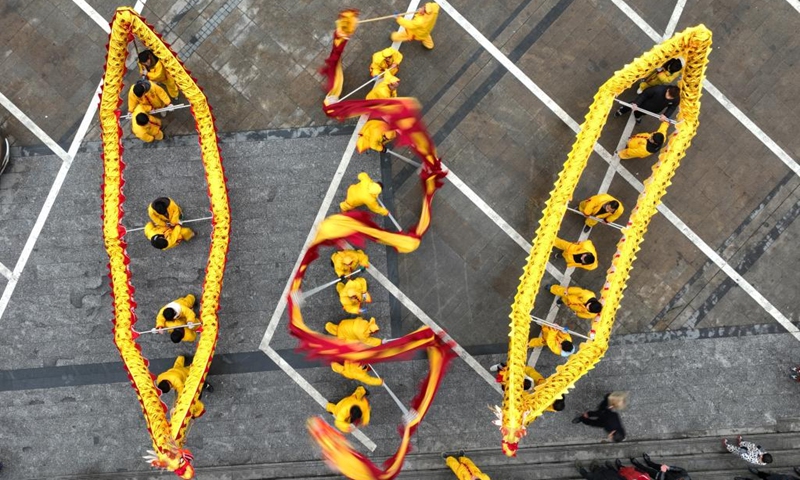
x=663, y=99
x=598, y=472
x=606, y=416
x=660, y=471
x=773, y=476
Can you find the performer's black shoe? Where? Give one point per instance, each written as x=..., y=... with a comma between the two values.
x=618, y=463
x=577, y=419
x=617, y=114
x=208, y=387
x=646, y=457
x=753, y=470
x=586, y=228
x=559, y=302
x=639, y=120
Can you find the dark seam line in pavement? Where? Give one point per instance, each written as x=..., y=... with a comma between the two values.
x=676, y=300
x=391, y=253
x=191, y=140
x=499, y=72
x=744, y=265
x=257, y=361
x=207, y=29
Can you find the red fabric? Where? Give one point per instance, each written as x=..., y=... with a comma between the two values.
x=630, y=473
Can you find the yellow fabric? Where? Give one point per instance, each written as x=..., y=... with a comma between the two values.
x=375, y=134
x=173, y=216
x=593, y=206
x=176, y=377
x=174, y=235
x=355, y=330
x=346, y=261
x=465, y=469
x=382, y=90
x=569, y=250
x=637, y=144
x=146, y=133
x=365, y=193
x=383, y=59
x=157, y=73
x=355, y=371
x=184, y=312
x=341, y=411
x=152, y=99
x=659, y=78
x=552, y=337
x=419, y=27
x=352, y=294
x=575, y=298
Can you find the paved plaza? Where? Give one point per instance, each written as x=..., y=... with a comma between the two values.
x=704, y=338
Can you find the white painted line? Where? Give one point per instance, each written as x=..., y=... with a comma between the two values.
x=28, y=123
x=98, y=19
x=497, y=219
x=558, y=111
x=673, y=20
x=88, y=117
x=4, y=271
x=424, y=318
x=722, y=99
x=321, y=214
x=311, y=391
x=795, y=4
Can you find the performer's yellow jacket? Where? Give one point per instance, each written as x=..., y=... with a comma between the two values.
x=383, y=59
x=346, y=261
x=146, y=133
x=659, y=77
x=419, y=27
x=375, y=134
x=176, y=377
x=637, y=144
x=356, y=371
x=365, y=192
x=382, y=90
x=355, y=329
x=552, y=337
x=173, y=216
x=184, y=312
x=465, y=469
x=352, y=294
x=575, y=298
x=341, y=411
x=572, y=250
x=593, y=206
x=157, y=73
x=173, y=235
x=152, y=99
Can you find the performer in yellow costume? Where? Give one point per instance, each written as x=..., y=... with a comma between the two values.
x=346, y=262
x=386, y=87
x=163, y=237
x=147, y=128
x=174, y=379
x=355, y=330
x=578, y=255
x=147, y=94
x=179, y=312
x=365, y=193
x=583, y=302
x=602, y=206
x=353, y=294
x=501, y=376
x=386, y=59
x=164, y=211
x=558, y=341
x=465, y=469
x=352, y=410
x=663, y=75
x=643, y=145
x=356, y=371
x=419, y=27
x=374, y=135
x=156, y=72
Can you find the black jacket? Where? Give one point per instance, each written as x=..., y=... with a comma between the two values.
x=654, y=99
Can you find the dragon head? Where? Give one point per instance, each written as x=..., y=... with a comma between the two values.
x=178, y=460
